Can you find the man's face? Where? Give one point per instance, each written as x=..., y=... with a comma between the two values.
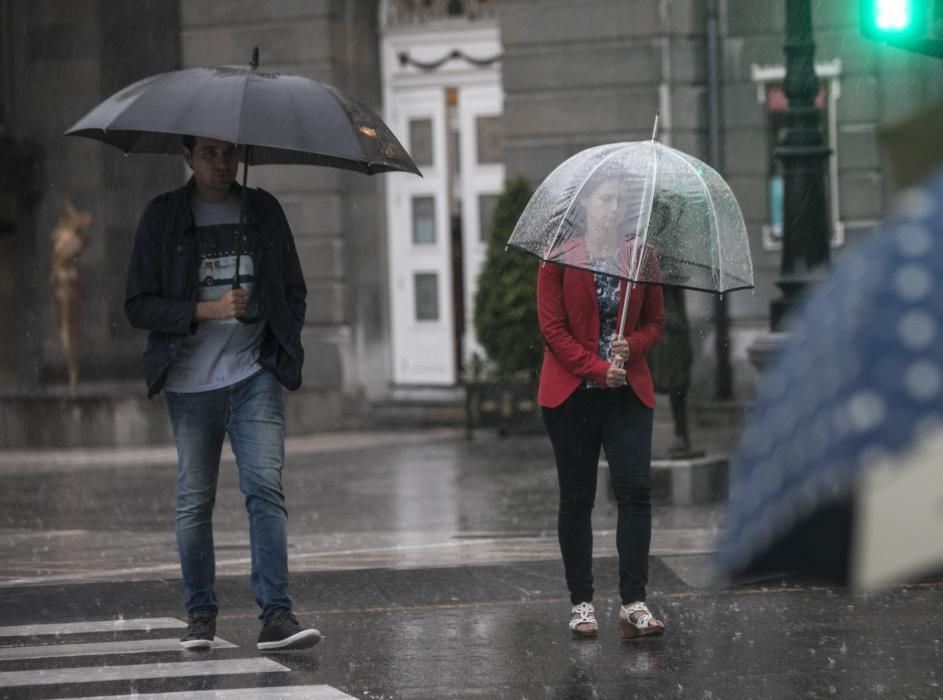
x=214, y=165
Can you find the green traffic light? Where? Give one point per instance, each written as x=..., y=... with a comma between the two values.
x=910, y=25
x=893, y=15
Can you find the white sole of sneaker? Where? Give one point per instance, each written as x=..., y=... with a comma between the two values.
x=197, y=644
x=302, y=640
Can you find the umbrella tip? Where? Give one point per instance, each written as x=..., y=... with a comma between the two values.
x=255, y=57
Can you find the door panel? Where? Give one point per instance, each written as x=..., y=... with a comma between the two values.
x=420, y=247
x=482, y=180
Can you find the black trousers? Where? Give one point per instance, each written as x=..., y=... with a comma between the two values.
x=617, y=421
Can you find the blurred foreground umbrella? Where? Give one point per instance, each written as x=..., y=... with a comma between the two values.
x=273, y=118
x=838, y=477
x=674, y=210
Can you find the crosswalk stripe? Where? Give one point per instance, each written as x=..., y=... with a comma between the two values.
x=152, y=623
x=102, y=674
x=288, y=692
x=133, y=646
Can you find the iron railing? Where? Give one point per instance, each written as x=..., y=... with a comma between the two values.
x=405, y=12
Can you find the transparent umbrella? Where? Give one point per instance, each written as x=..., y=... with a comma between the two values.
x=674, y=221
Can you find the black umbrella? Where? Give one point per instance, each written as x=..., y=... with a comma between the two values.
x=273, y=118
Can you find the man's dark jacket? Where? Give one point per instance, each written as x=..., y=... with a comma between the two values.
x=162, y=284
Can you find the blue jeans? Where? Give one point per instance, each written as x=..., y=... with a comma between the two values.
x=616, y=421
x=252, y=413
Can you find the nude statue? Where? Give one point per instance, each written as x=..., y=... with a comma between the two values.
x=69, y=239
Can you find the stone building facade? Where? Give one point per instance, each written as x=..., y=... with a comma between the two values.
x=568, y=74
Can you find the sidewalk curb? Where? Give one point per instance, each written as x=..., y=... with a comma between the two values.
x=43, y=460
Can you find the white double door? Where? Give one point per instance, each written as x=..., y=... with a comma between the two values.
x=438, y=225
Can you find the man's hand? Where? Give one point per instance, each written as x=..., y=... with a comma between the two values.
x=615, y=375
x=231, y=305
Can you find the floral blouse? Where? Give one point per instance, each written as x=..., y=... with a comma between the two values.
x=607, y=296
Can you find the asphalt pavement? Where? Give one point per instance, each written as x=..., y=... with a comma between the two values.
x=430, y=564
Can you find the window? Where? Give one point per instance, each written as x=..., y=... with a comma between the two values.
x=769, y=93
x=424, y=220
x=490, y=140
x=426, y=289
x=420, y=141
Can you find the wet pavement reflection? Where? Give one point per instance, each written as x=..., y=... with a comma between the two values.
x=430, y=564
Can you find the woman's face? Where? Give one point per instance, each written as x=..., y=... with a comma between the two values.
x=604, y=207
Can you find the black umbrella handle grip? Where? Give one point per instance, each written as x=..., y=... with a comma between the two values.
x=235, y=277
x=242, y=204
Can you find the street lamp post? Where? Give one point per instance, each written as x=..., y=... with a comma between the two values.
x=802, y=152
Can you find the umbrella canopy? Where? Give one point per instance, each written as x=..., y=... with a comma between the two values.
x=669, y=203
x=285, y=119
x=838, y=475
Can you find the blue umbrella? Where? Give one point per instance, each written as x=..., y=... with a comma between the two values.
x=838, y=475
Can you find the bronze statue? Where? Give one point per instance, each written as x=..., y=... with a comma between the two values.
x=671, y=358
x=68, y=241
x=670, y=362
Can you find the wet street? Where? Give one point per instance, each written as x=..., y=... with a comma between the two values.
x=430, y=564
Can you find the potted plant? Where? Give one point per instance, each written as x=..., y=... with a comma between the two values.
x=502, y=387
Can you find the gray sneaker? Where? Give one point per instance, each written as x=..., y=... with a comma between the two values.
x=201, y=630
x=283, y=633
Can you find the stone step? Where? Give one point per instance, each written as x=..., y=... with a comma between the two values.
x=680, y=482
x=418, y=414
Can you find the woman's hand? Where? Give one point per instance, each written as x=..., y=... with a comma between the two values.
x=620, y=349
x=615, y=375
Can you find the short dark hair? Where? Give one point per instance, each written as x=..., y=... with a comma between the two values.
x=189, y=141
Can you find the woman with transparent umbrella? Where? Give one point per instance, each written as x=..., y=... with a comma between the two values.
x=596, y=392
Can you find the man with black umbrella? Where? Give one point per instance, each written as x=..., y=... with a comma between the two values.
x=224, y=302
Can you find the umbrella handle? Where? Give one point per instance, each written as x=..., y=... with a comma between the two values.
x=625, y=309
x=242, y=215
x=617, y=361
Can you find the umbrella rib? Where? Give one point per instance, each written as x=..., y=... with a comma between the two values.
x=242, y=105
x=637, y=257
x=648, y=219
x=718, y=259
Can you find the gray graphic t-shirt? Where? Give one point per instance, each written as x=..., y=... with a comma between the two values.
x=220, y=353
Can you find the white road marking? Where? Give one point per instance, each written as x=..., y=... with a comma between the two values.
x=103, y=674
x=147, y=624
x=133, y=646
x=288, y=692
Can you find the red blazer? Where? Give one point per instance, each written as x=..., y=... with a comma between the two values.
x=569, y=321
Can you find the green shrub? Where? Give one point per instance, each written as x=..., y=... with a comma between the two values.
x=505, y=302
